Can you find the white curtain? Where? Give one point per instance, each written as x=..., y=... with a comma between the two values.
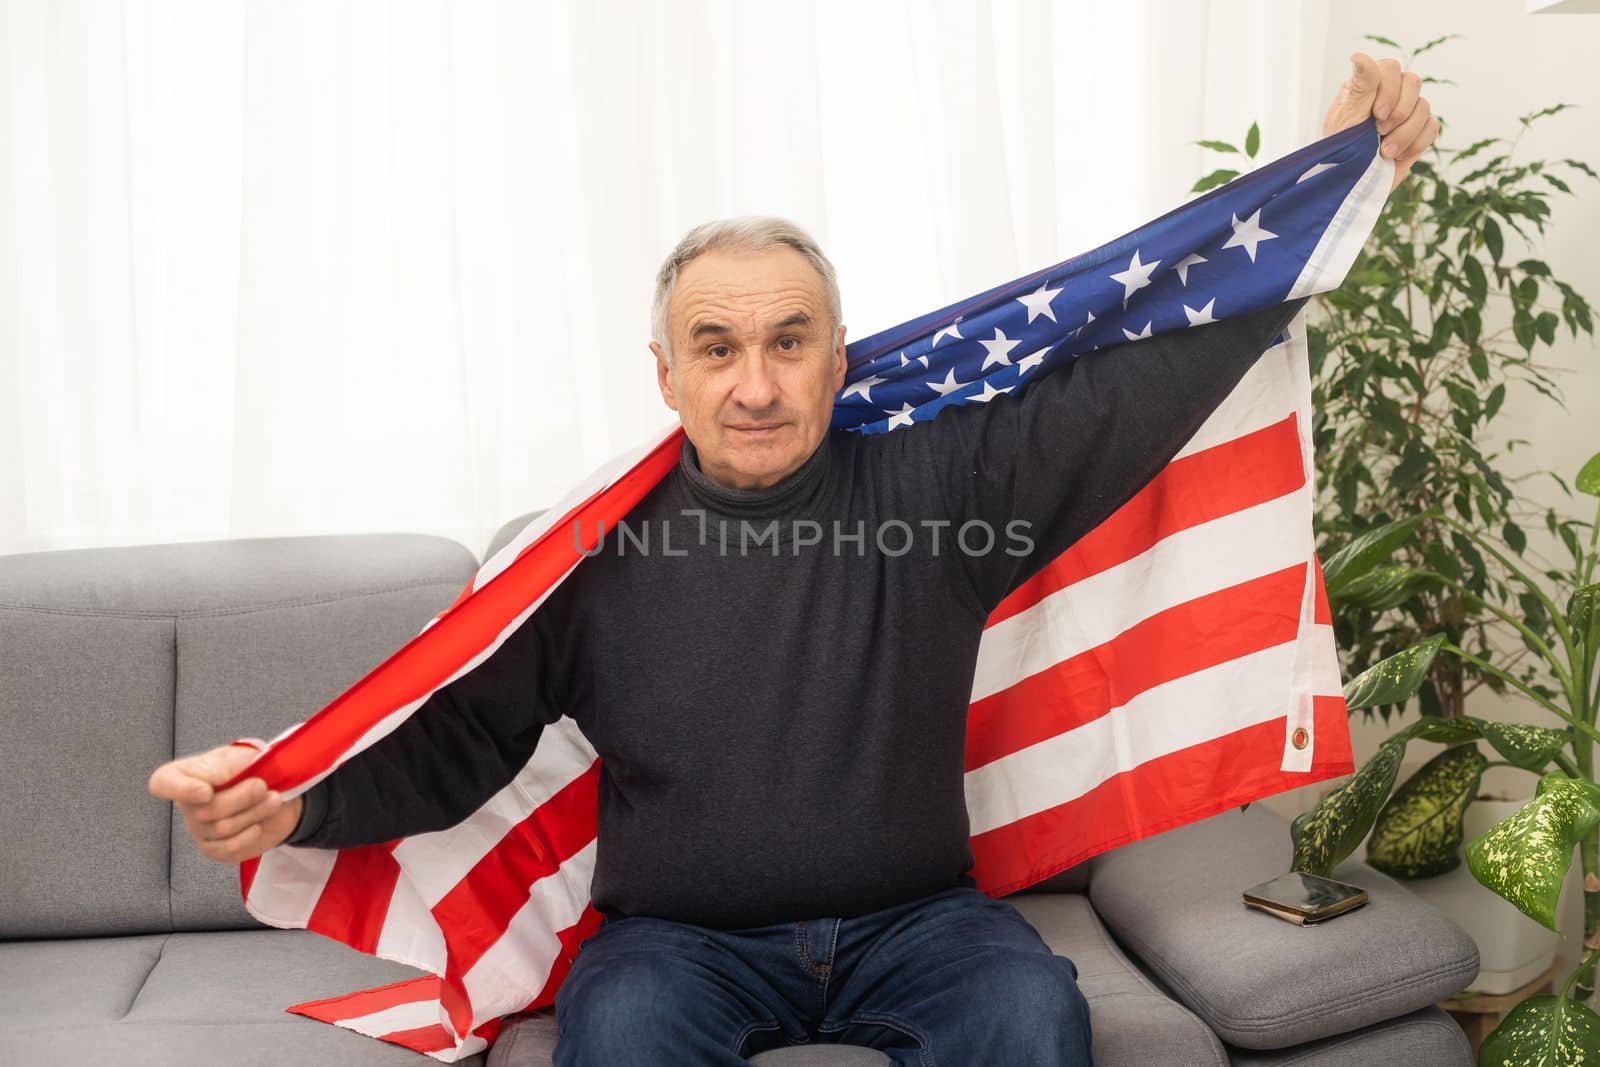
x=275, y=268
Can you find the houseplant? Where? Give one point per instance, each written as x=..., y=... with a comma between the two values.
x=1524, y=858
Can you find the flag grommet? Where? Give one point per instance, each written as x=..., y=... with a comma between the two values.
x=1299, y=738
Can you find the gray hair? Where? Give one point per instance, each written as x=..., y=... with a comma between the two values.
x=749, y=232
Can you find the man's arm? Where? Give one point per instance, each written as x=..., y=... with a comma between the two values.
x=453, y=753
x=1083, y=439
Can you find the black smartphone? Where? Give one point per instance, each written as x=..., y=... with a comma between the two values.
x=1303, y=898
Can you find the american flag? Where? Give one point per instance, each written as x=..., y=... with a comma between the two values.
x=1176, y=661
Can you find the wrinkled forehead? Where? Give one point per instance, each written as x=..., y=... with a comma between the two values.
x=748, y=290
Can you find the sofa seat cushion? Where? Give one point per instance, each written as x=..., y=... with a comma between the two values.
x=197, y=998
x=1427, y=1037
x=1175, y=901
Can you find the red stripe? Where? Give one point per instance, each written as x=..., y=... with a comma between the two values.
x=355, y=901
x=430, y=658
x=475, y=913
x=1171, y=790
x=1198, y=488
x=370, y=1001
x=1188, y=637
x=571, y=938
x=430, y=1038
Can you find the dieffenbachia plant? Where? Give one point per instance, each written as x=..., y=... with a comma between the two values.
x=1416, y=830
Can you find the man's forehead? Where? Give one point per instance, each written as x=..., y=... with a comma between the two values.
x=766, y=286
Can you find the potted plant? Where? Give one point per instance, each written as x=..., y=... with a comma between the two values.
x=1408, y=380
x=1418, y=830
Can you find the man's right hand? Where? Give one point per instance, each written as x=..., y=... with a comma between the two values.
x=236, y=824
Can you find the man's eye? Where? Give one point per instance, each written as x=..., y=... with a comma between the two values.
x=796, y=341
x=714, y=349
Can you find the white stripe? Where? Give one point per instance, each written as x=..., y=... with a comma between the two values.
x=435, y=863
x=1347, y=231
x=472, y=1045
x=1262, y=398
x=1185, y=711
x=1187, y=564
x=410, y=933
x=518, y=964
x=407, y=1016
x=288, y=883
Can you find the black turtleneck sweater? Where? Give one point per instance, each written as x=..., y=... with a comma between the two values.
x=781, y=726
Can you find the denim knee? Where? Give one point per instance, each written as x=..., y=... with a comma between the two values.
x=1048, y=1013
x=618, y=1011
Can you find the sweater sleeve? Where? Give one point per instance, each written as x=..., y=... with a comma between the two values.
x=461, y=746
x=1080, y=441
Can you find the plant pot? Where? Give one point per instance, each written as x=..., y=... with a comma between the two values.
x=1512, y=948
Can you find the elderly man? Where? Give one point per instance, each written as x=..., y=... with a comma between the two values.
x=778, y=700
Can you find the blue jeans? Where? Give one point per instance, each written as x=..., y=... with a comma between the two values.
x=956, y=978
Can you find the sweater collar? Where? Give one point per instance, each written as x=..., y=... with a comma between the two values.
x=796, y=493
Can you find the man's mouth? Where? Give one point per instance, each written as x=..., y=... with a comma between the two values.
x=758, y=429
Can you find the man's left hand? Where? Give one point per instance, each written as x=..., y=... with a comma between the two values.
x=1379, y=89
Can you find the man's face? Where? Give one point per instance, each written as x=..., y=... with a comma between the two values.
x=754, y=370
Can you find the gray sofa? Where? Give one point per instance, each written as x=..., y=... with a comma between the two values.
x=121, y=944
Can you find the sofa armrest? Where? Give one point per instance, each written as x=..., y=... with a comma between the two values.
x=1175, y=902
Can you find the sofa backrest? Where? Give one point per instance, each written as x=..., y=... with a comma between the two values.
x=113, y=660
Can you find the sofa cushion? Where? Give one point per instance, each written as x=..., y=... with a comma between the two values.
x=1427, y=1038
x=1175, y=900
x=187, y=998
x=85, y=715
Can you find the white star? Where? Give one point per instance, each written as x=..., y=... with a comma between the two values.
x=1030, y=362
x=1136, y=336
x=948, y=386
x=1314, y=171
x=1136, y=277
x=999, y=347
x=1038, y=302
x=953, y=330
x=863, y=388
x=1248, y=233
x=989, y=393
x=903, y=359
x=1201, y=317
x=1185, y=263
x=901, y=417
x=923, y=359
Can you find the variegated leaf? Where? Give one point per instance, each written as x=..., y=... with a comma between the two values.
x=1583, y=615
x=1418, y=832
x=1524, y=744
x=1392, y=680
x=1381, y=588
x=1524, y=857
x=1329, y=832
x=1364, y=553
x=1450, y=731
x=1588, y=480
x=1544, y=1031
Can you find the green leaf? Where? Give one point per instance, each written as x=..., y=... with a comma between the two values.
x=1214, y=179
x=1523, y=744
x=1492, y=238
x=1381, y=588
x=1392, y=680
x=1588, y=480
x=1525, y=856
x=1252, y=140
x=1418, y=833
x=1514, y=537
x=1365, y=552
x=1583, y=616
x=1477, y=284
x=1217, y=146
x=1545, y=1029
x=1329, y=832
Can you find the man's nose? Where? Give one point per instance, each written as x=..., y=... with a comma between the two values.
x=758, y=385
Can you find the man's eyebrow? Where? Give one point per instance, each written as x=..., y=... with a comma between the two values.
x=798, y=318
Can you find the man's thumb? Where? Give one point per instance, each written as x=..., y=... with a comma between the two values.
x=220, y=764
x=1364, y=79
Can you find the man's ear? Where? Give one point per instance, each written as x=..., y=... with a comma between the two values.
x=664, y=376
x=841, y=361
